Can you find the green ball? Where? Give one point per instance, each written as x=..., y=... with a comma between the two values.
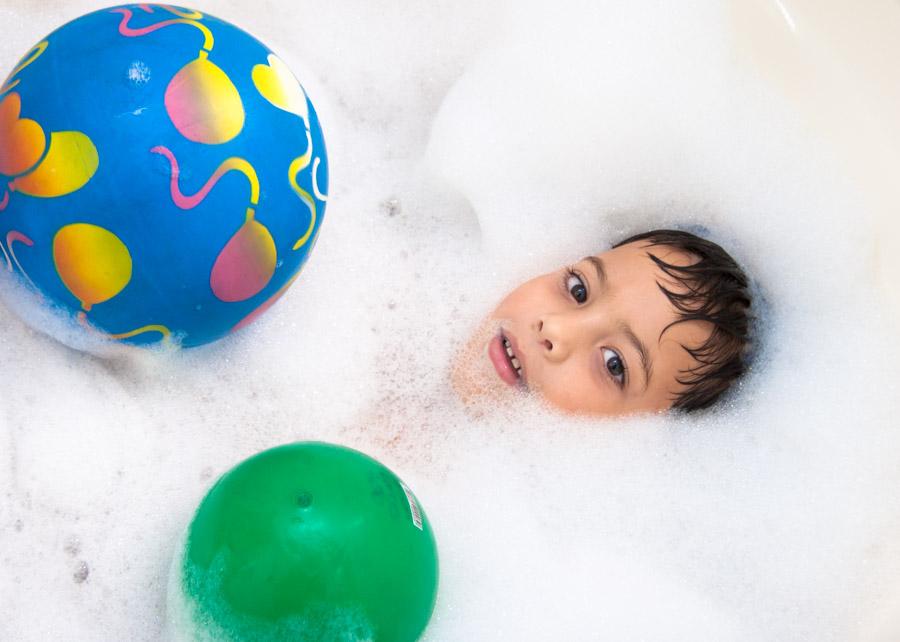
x=307, y=541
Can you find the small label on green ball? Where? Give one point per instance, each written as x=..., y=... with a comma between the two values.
x=413, y=507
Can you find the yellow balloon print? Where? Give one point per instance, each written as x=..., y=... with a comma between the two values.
x=204, y=104
x=92, y=262
x=280, y=87
x=69, y=164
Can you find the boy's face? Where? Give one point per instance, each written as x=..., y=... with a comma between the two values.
x=589, y=338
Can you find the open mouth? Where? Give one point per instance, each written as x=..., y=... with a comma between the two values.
x=513, y=360
x=504, y=359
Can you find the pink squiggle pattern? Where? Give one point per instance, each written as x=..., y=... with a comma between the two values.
x=4, y=201
x=130, y=32
x=17, y=237
x=187, y=202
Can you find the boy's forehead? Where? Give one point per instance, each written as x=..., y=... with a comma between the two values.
x=635, y=278
x=633, y=260
x=642, y=248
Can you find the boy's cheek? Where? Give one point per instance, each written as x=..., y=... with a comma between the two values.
x=573, y=393
x=566, y=399
x=527, y=298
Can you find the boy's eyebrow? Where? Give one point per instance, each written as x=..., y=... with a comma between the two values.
x=598, y=265
x=646, y=361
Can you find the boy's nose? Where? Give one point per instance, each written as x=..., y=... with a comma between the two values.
x=555, y=335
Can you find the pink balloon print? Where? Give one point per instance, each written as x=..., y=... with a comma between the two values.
x=247, y=262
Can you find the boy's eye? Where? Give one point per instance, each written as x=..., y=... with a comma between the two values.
x=614, y=365
x=576, y=287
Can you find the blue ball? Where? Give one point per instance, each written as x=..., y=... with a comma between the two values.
x=163, y=175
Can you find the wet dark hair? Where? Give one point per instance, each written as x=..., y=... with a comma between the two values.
x=715, y=290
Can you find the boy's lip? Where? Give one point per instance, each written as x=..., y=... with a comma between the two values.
x=500, y=360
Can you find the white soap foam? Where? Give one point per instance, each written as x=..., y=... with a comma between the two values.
x=546, y=133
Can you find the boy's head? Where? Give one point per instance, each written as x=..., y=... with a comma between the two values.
x=659, y=321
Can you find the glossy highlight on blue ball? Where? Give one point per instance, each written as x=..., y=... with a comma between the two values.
x=163, y=175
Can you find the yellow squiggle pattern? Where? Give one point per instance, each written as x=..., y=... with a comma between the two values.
x=298, y=165
x=30, y=57
x=275, y=82
x=163, y=330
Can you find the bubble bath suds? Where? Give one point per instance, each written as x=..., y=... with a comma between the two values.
x=472, y=147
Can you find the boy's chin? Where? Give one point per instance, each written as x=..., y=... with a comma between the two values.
x=472, y=376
